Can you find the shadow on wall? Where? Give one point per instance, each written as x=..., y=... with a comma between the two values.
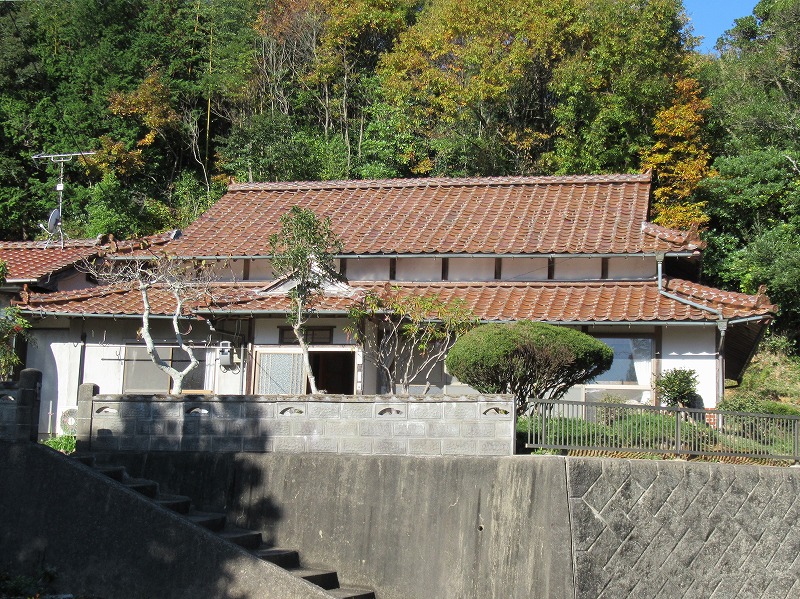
x=109, y=541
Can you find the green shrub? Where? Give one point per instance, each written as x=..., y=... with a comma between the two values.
x=62, y=443
x=677, y=387
x=532, y=360
x=741, y=402
x=779, y=408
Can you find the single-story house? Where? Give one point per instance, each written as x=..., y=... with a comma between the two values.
x=575, y=251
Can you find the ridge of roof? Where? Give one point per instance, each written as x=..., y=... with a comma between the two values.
x=440, y=182
x=43, y=244
x=690, y=239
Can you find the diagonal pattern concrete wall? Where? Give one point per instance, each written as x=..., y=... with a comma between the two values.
x=677, y=529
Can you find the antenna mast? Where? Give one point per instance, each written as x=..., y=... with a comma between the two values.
x=54, y=222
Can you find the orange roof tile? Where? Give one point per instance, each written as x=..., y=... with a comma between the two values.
x=30, y=261
x=551, y=301
x=497, y=215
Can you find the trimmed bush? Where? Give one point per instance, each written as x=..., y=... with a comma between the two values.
x=678, y=387
x=532, y=360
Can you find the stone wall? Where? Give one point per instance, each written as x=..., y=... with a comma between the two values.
x=387, y=425
x=19, y=407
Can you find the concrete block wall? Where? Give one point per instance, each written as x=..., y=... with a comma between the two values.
x=382, y=425
x=19, y=407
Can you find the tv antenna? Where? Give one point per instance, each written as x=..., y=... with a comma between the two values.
x=53, y=227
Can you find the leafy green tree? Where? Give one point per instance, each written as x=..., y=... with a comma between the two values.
x=771, y=263
x=13, y=328
x=614, y=78
x=407, y=336
x=303, y=252
x=534, y=361
x=754, y=86
x=753, y=203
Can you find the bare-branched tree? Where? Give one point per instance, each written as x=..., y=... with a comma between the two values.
x=412, y=334
x=181, y=284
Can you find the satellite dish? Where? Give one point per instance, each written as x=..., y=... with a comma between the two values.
x=54, y=222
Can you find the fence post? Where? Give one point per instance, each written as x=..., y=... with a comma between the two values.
x=678, y=417
x=30, y=386
x=83, y=438
x=796, y=444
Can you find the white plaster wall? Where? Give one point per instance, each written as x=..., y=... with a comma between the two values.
x=470, y=269
x=693, y=347
x=632, y=268
x=232, y=271
x=418, y=269
x=575, y=269
x=74, y=281
x=523, y=269
x=266, y=329
x=368, y=269
x=261, y=270
x=54, y=353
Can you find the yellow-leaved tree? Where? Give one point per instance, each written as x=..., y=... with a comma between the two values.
x=679, y=158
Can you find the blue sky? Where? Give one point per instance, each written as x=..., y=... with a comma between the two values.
x=710, y=18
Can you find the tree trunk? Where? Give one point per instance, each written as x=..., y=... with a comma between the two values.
x=298, y=332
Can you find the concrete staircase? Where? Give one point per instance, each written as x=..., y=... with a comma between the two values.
x=250, y=540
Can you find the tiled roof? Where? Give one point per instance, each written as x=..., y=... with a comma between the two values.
x=30, y=261
x=498, y=215
x=34, y=261
x=600, y=301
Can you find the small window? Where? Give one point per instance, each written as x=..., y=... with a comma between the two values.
x=311, y=335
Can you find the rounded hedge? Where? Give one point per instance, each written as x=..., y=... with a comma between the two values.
x=529, y=359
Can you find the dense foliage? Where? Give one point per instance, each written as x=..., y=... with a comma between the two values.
x=177, y=97
x=533, y=360
x=678, y=387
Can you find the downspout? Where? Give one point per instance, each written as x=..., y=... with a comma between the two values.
x=722, y=325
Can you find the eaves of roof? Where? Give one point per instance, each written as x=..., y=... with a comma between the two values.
x=593, y=302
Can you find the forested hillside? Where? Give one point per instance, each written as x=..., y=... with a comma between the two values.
x=178, y=96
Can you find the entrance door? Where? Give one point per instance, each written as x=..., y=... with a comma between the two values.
x=334, y=371
x=279, y=371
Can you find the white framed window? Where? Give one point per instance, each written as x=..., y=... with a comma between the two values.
x=631, y=372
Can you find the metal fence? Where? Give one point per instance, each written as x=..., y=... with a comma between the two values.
x=574, y=425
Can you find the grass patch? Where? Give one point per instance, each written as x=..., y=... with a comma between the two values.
x=63, y=443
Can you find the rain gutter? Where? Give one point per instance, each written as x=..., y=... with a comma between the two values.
x=685, y=254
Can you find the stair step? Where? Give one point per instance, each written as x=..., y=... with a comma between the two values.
x=148, y=488
x=85, y=458
x=248, y=539
x=177, y=503
x=115, y=472
x=352, y=593
x=211, y=521
x=285, y=558
x=327, y=579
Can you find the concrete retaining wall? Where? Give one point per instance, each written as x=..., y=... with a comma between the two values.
x=361, y=424
x=107, y=541
x=526, y=526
